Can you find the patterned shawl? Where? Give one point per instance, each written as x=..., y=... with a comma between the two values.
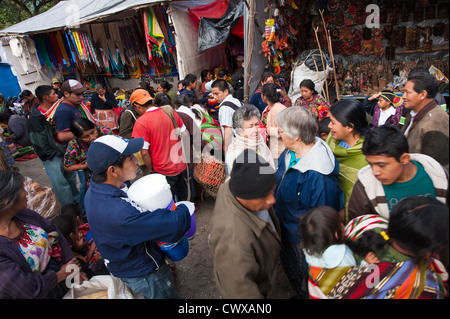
x=403, y=280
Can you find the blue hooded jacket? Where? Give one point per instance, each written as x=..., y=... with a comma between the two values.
x=312, y=182
x=126, y=234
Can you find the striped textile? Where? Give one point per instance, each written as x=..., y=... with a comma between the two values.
x=403, y=280
x=85, y=112
x=360, y=224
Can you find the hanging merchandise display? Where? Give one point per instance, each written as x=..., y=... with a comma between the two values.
x=372, y=46
x=123, y=49
x=160, y=45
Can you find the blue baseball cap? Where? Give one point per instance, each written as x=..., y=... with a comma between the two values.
x=106, y=150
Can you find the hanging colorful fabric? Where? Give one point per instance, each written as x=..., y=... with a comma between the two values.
x=51, y=53
x=76, y=41
x=69, y=47
x=62, y=48
x=155, y=33
x=39, y=40
x=56, y=49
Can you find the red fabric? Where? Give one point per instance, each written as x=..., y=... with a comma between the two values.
x=216, y=10
x=156, y=128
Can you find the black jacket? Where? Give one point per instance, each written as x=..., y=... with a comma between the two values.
x=42, y=136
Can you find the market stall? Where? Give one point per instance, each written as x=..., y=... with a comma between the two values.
x=117, y=43
x=365, y=46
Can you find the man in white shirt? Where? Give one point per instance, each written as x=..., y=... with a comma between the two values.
x=228, y=104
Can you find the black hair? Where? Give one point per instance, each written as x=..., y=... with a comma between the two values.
x=222, y=72
x=189, y=99
x=309, y=84
x=351, y=113
x=368, y=241
x=265, y=76
x=166, y=85
x=66, y=223
x=221, y=84
x=204, y=74
x=323, y=125
x=178, y=100
x=190, y=78
x=101, y=177
x=43, y=90
x=25, y=93
x=320, y=228
x=4, y=117
x=419, y=225
x=146, y=86
x=271, y=92
x=424, y=81
x=385, y=140
x=11, y=183
x=162, y=99
x=72, y=208
x=80, y=125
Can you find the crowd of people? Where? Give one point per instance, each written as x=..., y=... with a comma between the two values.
x=310, y=186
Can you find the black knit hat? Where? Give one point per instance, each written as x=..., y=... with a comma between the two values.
x=252, y=176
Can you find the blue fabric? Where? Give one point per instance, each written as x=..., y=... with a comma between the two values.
x=64, y=183
x=126, y=234
x=64, y=116
x=257, y=101
x=157, y=285
x=298, y=192
x=9, y=85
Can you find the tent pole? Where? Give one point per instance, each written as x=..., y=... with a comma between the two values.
x=248, y=58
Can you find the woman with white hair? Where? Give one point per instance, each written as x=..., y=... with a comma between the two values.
x=307, y=178
x=247, y=129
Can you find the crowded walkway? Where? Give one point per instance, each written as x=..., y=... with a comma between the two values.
x=252, y=185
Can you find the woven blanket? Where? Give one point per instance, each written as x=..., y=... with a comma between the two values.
x=403, y=280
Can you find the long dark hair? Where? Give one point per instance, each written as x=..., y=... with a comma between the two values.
x=419, y=225
x=351, y=113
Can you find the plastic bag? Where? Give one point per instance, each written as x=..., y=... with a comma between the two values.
x=304, y=68
x=212, y=31
x=41, y=199
x=102, y=287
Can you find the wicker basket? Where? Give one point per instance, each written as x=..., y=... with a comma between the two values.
x=210, y=174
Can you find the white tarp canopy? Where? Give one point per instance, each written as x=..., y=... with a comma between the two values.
x=73, y=12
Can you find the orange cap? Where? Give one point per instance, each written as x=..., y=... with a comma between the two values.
x=140, y=96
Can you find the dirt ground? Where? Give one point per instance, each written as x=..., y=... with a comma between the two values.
x=195, y=278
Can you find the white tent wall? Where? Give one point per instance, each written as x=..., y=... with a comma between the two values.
x=33, y=77
x=186, y=34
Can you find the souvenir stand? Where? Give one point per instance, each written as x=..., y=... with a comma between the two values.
x=365, y=46
x=116, y=48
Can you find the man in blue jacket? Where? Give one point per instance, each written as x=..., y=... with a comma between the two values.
x=126, y=234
